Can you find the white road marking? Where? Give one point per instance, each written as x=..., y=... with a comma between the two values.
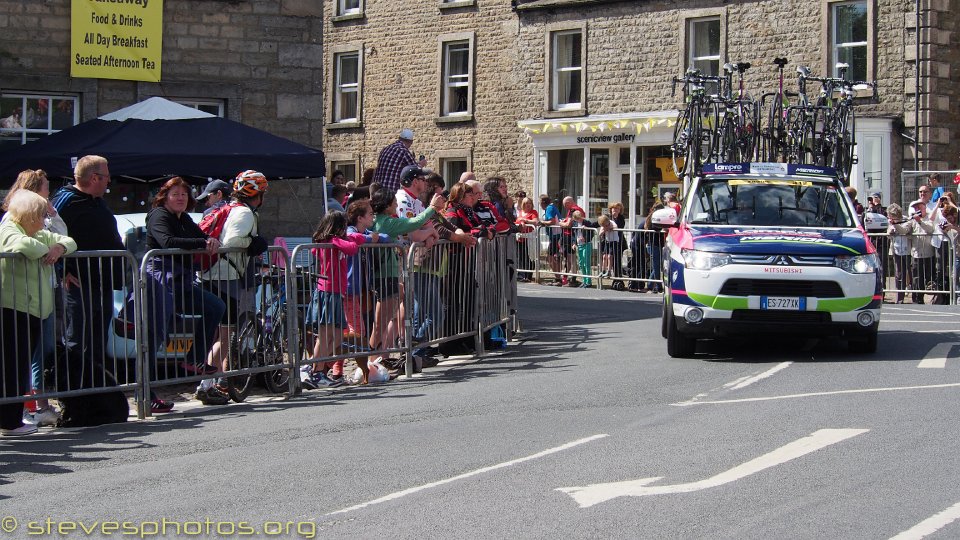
x=588, y=496
x=930, y=525
x=899, y=321
x=937, y=357
x=747, y=381
x=814, y=394
x=921, y=311
x=411, y=491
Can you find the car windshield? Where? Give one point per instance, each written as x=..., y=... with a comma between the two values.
x=770, y=202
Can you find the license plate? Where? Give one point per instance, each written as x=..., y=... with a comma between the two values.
x=179, y=345
x=790, y=303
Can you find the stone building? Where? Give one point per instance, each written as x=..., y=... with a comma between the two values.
x=573, y=96
x=254, y=61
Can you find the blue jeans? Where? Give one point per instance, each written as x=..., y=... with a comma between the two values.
x=427, y=307
x=41, y=355
x=656, y=260
x=167, y=295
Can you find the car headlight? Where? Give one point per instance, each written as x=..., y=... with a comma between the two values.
x=858, y=264
x=703, y=260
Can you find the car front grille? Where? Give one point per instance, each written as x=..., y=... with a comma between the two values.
x=781, y=287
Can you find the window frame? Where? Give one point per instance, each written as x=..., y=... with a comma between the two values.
x=24, y=132
x=348, y=161
x=445, y=157
x=554, y=70
x=829, y=35
x=692, y=39
x=196, y=103
x=342, y=14
x=444, y=114
x=685, y=51
x=336, y=54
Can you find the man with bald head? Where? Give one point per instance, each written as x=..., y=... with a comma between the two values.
x=89, y=282
x=467, y=176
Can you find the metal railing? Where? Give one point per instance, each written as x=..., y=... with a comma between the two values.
x=134, y=327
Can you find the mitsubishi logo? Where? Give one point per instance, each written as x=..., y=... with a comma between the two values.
x=781, y=260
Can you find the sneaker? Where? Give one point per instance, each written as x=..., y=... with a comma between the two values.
x=26, y=429
x=46, y=417
x=320, y=379
x=336, y=379
x=306, y=381
x=159, y=406
x=212, y=396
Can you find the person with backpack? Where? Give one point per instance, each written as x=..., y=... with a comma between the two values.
x=231, y=277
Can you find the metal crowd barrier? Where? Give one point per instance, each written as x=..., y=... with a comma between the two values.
x=119, y=325
x=628, y=257
x=77, y=349
x=923, y=268
x=189, y=320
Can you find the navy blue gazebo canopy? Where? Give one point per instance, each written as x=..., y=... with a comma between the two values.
x=146, y=146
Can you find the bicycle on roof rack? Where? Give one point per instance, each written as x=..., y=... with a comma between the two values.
x=722, y=127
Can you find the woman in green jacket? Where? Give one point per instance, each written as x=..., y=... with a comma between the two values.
x=26, y=296
x=386, y=265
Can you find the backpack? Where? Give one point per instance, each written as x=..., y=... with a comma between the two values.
x=212, y=225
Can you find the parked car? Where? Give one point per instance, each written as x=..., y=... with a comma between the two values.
x=121, y=343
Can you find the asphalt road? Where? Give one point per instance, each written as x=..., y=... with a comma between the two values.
x=584, y=429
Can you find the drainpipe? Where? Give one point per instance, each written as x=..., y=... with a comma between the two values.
x=916, y=109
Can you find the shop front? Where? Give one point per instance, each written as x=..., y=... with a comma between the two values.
x=600, y=160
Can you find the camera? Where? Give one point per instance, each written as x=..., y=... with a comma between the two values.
x=445, y=193
x=422, y=157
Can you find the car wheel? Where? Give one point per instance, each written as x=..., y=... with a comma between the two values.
x=679, y=345
x=864, y=345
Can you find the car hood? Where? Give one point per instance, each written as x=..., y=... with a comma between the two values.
x=775, y=240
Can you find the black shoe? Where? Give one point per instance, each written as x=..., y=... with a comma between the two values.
x=212, y=396
x=430, y=361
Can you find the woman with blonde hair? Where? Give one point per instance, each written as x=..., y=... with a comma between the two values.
x=26, y=295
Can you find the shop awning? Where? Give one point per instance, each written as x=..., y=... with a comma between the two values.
x=638, y=122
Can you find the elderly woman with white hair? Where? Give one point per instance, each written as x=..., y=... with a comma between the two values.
x=26, y=296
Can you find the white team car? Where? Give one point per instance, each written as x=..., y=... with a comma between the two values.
x=120, y=341
x=768, y=247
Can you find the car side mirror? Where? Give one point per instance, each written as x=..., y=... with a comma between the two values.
x=665, y=217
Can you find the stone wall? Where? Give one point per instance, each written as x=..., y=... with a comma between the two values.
x=633, y=48
x=263, y=58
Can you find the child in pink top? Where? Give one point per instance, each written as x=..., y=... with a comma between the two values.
x=326, y=309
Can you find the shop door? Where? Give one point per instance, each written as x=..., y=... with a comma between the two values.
x=599, y=183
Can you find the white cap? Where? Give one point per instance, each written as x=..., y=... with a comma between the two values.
x=407, y=134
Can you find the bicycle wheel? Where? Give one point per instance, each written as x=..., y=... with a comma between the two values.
x=274, y=350
x=681, y=143
x=243, y=355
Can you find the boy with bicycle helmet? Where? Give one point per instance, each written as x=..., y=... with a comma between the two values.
x=232, y=276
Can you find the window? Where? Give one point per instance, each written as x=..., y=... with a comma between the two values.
x=457, y=78
x=849, y=37
x=703, y=45
x=567, y=70
x=451, y=169
x=348, y=168
x=349, y=7
x=346, y=87
x=214, y=107
x=27, y=117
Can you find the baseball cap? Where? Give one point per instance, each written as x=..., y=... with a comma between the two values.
x=875, y=195
x=406, y=134
x=216, y=185
x=409, y=173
